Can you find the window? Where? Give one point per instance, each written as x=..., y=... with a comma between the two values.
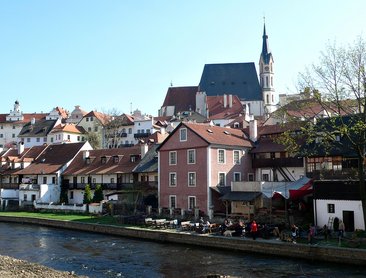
x=96, y=129
x=172, y=201
x=89, y=129
x=191, y=202
x=191, y=156
x=116, y=159
x=183, y=134
x=130, y=130
x=13, y=126
x=112, y=180
x=236, y=157
x=172, y=179
x=237, y=176
x=44, y=139
x=172, y=158
x=78, y=138
x=51, y=139
x=25, y=197
x=82, y=179
x=331, y=208
x=1, y=135
x=44, y=180
x=250, y=177
x=53, y=180
x=222, y=179
x=38, y=139
x=265, y=177
x=221, y=156
x=191, y=178
x=68, y=137
x=91, y=119
x=71, y=194
x=94, y=180
x=87, y=119
x=103, y=160
x=13, y=135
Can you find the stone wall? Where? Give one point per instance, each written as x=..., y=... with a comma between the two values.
x=276, y=248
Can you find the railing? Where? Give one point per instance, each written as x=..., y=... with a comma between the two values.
x=114, y=186
x=10, y=186
x=141, y=135
x=278, y=162
x=334, y=175
x=24, y=186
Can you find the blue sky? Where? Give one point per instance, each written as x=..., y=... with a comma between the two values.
x=114, y=55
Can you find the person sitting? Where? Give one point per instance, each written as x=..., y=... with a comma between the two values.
x=294, y=233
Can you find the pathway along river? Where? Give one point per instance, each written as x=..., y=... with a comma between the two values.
x=97, y=255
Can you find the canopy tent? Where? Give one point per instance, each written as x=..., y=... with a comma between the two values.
x=289, y=190
x=240, y=196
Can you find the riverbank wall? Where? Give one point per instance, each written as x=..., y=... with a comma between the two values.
x=266, y=247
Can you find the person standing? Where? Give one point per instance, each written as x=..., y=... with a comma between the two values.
x=341, y=229
x=254, y=229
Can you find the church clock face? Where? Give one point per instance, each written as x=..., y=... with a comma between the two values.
x=266, y=68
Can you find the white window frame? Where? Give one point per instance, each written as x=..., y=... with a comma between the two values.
x=170, y=179
x=194, y=180
x=189, y=202
x=235, y=173
x=170, y=201
x=238, y=161
x=218, y=156
x=183, y=135
x=250, y=175
x=171, y=162
x=218, y=178
x=193, y=151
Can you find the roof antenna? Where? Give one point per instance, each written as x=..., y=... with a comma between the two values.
x=171, y=83
x=131, y=108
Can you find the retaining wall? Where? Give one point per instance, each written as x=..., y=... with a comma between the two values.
x=300, y=251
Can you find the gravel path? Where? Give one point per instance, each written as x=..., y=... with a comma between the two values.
x=14, y=268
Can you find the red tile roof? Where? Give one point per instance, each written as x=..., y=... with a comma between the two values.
x=183, y=98
x=103, y=118
x=52, y=159
x=217, y=110
x=27, y=118
x=220, y=135
x=124, y=165
x=71, y=128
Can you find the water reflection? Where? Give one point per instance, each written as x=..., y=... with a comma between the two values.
x=97, y=255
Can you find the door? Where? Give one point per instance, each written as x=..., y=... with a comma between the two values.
x=349, y=220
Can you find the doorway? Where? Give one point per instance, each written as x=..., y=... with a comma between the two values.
x=349, y=220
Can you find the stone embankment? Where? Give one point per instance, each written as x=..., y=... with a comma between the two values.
x=14, y=268
x=266, y=247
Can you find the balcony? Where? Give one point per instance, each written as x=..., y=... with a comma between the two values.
x=344, y=174
x=278, y=162
x=114, y=186
x=29, y=187
x=141, y=135
x=123, y=134
x=10, y=186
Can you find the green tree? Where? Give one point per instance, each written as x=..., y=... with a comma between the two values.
x=95, y=140
x=87, y=195
x=339, y=83
x=98, y=194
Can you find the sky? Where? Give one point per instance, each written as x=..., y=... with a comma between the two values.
x=122, y=55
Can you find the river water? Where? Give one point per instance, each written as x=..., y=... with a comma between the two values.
x=97, y=255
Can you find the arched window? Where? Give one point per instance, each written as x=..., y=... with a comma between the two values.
x=267, y=98
x=267, y=82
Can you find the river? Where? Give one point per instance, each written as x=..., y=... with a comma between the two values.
x=97, y=255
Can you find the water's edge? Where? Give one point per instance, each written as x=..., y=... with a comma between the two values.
x=266, y=247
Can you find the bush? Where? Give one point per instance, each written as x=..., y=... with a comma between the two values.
x=87, y=195
x=98, y=194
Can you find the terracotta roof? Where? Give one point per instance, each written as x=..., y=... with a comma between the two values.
x=71, y=128
x=183, y=98
x=219, y=135
x=157, y=137
x=27, y=118
x=52, y=159
x=124, y=165
x=62, y=112
x=217, y=110
x=103, y=118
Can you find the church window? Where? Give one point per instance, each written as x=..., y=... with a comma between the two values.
x=267, y=81
x=271, y=81
x=267, y=98
x=272, y=98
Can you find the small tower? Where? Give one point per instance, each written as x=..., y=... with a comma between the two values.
x=266, y=75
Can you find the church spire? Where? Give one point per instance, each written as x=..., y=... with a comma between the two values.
x=265, y=49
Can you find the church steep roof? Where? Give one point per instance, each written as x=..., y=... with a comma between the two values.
x=232, y=78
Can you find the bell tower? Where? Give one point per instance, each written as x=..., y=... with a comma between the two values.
x=266, y=75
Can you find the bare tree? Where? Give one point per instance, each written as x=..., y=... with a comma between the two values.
x=338, y=82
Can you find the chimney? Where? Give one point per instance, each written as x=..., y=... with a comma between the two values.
x=230, y=101
x=144, y=149
x=225, y=101
x=33, y=121
x=253, y=132
x=20, y=147
x=162, y=130
x=85, y=154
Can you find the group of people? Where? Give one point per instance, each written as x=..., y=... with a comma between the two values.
x=239, y=228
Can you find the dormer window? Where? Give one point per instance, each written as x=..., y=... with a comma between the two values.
x=103, y=160
x=87, y=160
x=116, y=159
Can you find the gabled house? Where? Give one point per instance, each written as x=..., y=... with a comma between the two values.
x=41, y=180
x=198, y=161
x=66, y=133
x=11, y=162
x=76, y=115
x=110, y=168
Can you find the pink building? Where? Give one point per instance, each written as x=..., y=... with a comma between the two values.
x=197, y=162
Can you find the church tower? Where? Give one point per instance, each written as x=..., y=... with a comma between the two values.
x=266, y=76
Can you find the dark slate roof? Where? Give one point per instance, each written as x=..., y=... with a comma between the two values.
x=233, y=78
x=149, y=163
x=266, y=54
x=241, y=196
x=39, y=129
